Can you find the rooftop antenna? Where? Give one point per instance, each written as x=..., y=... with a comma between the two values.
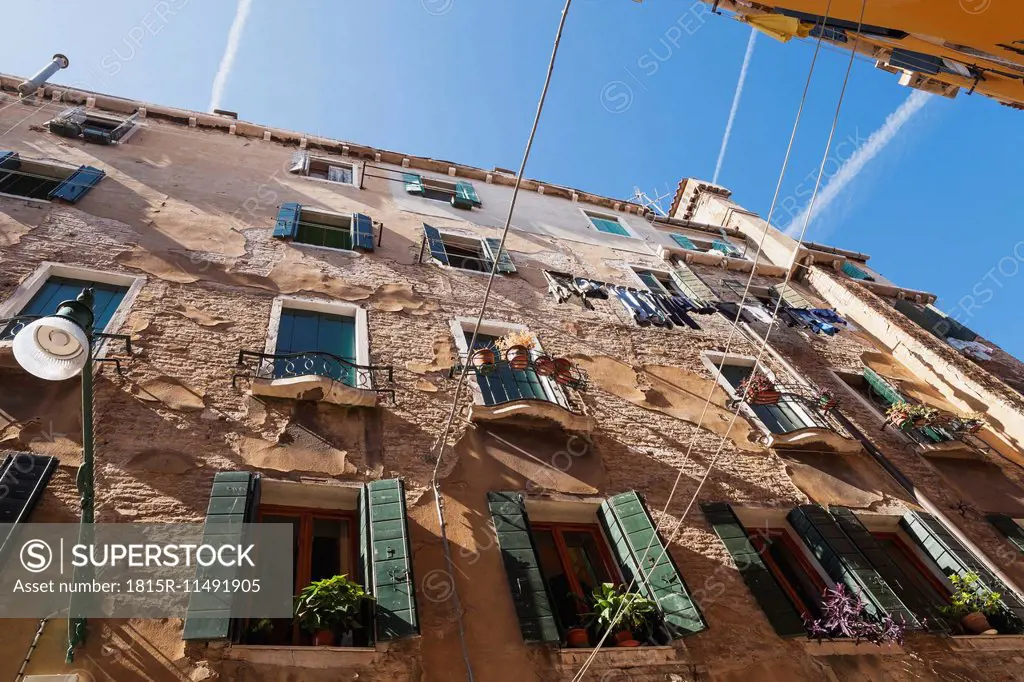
x=654, y=205
x=37, y=81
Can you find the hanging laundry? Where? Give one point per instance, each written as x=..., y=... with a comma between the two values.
x=632, y=306
x=827, y=315
x=758, y=313
x=589, y=288
x=657, y=316
x=558, y=286
x=972, y=349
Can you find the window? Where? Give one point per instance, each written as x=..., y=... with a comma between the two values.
x=325, y=344
x=467, y=253
x=781, y=556
x=324, y=168
x=505, y=384
x=54, y=290
x=325, y=229
x=609, y=224
x=856, y=272
x=45, y=180
x=881, y=392
x=785, y=416
x=659, y=282
x=459, y=193
x=94, y=126
x=921, y=589
x=574, y=560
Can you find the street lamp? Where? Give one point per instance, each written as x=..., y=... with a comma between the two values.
x=55, y=348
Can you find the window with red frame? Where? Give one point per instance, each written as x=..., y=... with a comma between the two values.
x=798, y=579
x=925, y=590
x=574, y=559
x=324, y=544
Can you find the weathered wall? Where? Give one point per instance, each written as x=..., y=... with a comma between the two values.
x=192, y=212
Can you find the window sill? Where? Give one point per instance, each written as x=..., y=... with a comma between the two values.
x=334, y=183
x=531, y=410
x=611, y=658
x=314, y=387
x=988, y=642
x=309, y=657
x=343, y=252
x=815, y=438
x=846, y=648
x=955, y=449
x=27, y=199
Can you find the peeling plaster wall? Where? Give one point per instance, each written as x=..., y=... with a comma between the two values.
x=194, y=209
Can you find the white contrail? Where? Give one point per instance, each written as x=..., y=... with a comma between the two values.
x=852, y=167
x=735, y=104
x=227, y=61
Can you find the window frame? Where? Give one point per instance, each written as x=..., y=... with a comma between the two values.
x=104, y=120
x=761, y=538
x=589, y=213
x=334, y=214
x=912, y=553
x=310, y=159
x=340, y=308
x=635, y=271
x=557, y=528
x=51, y=168
x=465, y=238
x=32, y=284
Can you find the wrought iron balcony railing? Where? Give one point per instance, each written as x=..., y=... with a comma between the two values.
x=543, y=378
x=10, y=326
x=256, y=365
x=797, y=408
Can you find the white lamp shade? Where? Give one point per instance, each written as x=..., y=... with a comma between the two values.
x=51, y=348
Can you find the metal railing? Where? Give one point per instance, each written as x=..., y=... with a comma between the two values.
x=539, y=380
x=799, y=407
x=257, y=365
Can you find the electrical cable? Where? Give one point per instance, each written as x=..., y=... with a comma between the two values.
x=434, y=483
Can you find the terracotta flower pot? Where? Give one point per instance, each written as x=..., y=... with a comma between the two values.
x=483, y=360
x=544, y=365
x=977, y=624
x=578, y=638
x=623, y=636
x=627, y=642
x=323, y=638
x=563, y=371
x=765, y=397
x=518, y=357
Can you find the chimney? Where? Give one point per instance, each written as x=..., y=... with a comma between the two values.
x=37, y=81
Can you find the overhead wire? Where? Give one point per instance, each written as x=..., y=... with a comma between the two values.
x=734, y=327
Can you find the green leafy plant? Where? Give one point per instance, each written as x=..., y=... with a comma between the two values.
x=261, y=626
x=971, y=597
x=609, y=599
x=331, y=604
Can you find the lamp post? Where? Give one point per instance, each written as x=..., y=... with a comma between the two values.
x=55, y=348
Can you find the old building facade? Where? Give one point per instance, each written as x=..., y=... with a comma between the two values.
x=300, y=310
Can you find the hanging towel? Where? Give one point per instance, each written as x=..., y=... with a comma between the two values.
x=632, y=307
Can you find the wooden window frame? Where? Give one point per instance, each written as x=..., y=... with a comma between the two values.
x=557, y=529
x=760, y=538
x=915, y=560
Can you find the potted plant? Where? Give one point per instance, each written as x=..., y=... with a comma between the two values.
x=330, y=607
x=758, y=389
x=517, y=345
x=899, y=414
x=844, y=615
x=971, y=604
x=971, y=423
x=922, y=415
x=577, y=638
x=630, y=613
x=827, y=401
x=483, y=360
x=544, y=365
x=259, y=631
x=563, y=372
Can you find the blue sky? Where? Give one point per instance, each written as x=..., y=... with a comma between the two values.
x=640, y=96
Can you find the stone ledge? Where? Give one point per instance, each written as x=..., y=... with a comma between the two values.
x=311, y=657
x=527, y=410
x=847, y=648
x=988, y=642
x=814, y=438
x=314, y=387
x=613, y=658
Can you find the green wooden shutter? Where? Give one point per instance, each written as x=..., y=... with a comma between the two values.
x=844, y=562
x=436, y=244
x=1008, y=527
x=790, y=296
x=684, y=242
x=465, y=196
x=362, y=231
x=631, y=530
x=522, y=568
x=413, y=183
x=882, y=387
x=692, y=285
x=762, y=584
x=393, y=584
x=287, y=225
x=855, y=272
x=78, y=184
x=725, y=247
x=494, y=252
x=23, y=478
x=951, y=556
x=233, y=502
x=890, y=570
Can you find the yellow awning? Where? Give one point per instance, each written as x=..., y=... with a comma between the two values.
x=780, y=27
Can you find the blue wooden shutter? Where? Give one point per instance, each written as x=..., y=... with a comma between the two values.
x=233, y=502
x=362, y=230
x=23, y=477
x=856, y=272
x=522, y=568
x=76, y=185
x=693, y=286
x=413, y=183
x=391, y=560
x=465, y=196
x=684, y=242
x=1008, y=527
x=951, y=556
x=631, y=530
x=436, y=244
x=845, y=563
x=9, y=160
x=762, y=584
x=287, y=225
x=494, y=251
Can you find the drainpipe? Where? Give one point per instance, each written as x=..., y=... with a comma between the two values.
x=892, y=469
x=31, y=85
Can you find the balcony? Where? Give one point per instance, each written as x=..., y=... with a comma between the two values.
x=545, y=389
x=314, y=375
x=945, y=439
x=801, y=418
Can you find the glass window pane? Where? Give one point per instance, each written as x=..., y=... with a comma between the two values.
x=794, y=573
x=585, y=560
x=326, y=548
